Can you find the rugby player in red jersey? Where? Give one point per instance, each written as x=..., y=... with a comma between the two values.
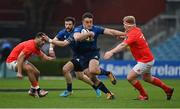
x=144, y=57
x=17, y=61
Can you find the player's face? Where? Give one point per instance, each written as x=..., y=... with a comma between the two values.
x=87, y=23
x=69, y=25
x=125, y=26
x=41, y=42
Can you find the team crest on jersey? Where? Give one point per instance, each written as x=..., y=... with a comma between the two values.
x=96, y=57
x=78, y=59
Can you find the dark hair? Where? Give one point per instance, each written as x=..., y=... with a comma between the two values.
x=40, y=34
x=70, y=19
x=87, y=15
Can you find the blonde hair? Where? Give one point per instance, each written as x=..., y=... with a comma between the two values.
x=130, y=20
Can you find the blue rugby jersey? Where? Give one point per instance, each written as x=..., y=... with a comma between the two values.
x=88, y=45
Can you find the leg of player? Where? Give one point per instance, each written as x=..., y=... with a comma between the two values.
x=37, y=72
x=157, y=82
x=95, y=69
x=132, y=78
x=81, y=76
x=67, y=68
x=33, y=73
x=100, y=85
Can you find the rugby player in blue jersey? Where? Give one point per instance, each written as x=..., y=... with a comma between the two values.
x=87, y=53
x=63, y=35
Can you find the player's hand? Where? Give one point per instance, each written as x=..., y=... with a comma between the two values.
x=108, y=55
x=121, y=37
x=47, y=39
x=51, y=58
x=90, y=38
x=92, y=34
x=52, y=53
x=19, y=75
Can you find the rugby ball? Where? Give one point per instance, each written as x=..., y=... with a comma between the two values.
x=84, y=31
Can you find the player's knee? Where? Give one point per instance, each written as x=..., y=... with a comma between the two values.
x=129, y=78
x=65, y=70
x=146, y=79
x=93, y=70
x=29, y=68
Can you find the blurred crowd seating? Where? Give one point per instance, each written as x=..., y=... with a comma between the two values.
x=168, y=49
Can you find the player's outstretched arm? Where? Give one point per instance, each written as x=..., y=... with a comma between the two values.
x=83, y=36
x=113, y=32
x=51, y=44
x=60, y=43
x=20, y=61
x=56, y=42
x=45, y=57
x=117, y=49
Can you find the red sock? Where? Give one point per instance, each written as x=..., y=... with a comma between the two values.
x=35, y=84
x=139, y=87
x=159, y=83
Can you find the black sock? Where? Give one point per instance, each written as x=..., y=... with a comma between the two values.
x=103, y=88
x=104, y=72
x=69, y=87
x=32, y=90
x=94, y=87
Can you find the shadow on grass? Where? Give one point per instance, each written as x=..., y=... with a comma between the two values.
x=49, y=89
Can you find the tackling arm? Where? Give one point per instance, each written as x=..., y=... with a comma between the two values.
x=114, y=32
x=54, y=42
x=45, y=57
x=20, y=61
x=117, y=49
x=64, y=43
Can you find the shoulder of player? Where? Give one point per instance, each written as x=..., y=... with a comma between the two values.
x=62, y=31
x=29, y=44
x=97, y=26
x=78, y=28
x=134, y=31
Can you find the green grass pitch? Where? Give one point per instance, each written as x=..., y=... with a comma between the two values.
x=13, y=94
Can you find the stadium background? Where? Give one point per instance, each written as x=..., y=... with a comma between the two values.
x=159, y=19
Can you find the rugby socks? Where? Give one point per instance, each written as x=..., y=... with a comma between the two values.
x=139, y=87
x=159, y=83
x=69, y=87
x=94, y=87
x=35, y=85
x=103, y=88
x=104, y=72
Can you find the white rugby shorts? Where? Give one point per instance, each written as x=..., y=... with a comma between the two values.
x=12, y=65
x=141, y=68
